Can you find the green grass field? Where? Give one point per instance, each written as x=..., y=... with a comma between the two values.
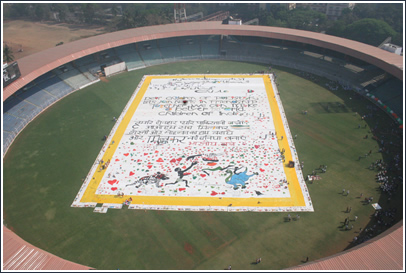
x=44, y=167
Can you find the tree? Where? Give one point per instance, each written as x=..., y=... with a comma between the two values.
x=367, y=10
x=127, y=20
x=337, y=28
x=42, y=11
x=7, y=54
x=62, y=10
x=369, y=31
x=306, y=19
x=270, y=21
x=348, y=16
x=392, y=14
x=114, y=11
x=89, y=11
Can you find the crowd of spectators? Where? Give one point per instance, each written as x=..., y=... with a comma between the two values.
x=308, y=76
x=332, y=85
x=383, y=219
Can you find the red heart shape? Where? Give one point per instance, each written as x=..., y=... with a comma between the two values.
x=131, y=173
x=114, y=188
x=156, y=152
x=160, y=160
x=139, y=160
x=256, y=146
x=182, y=189
x=262, y=170
x=266, y=164
x=202, y=175
x=179, y=159
x=213, y=193
x=111, y=182
x=117, y=159
x=173, y=160
x=126, y=154
x=145, y=153
x=149, y=166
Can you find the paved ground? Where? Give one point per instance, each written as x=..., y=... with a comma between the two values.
x=33, y=37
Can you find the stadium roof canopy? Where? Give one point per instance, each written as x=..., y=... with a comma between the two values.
x=34, y=65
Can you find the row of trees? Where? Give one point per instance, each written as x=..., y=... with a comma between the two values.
x=113, y=16
x=369, y=23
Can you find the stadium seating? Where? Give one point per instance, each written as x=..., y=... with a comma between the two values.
x=170, y=50
x=56, y=87
x=21, y=108
x=86, y=60
x=12, y=123
x=149, y=52
x=130, y=56
x=44, y=77
x=74, y=78
x=8, y=138
x=125, y=49
x=48, y=88
x=210, y=46
x=37, y=96
x=391, y=94
x=190, y=47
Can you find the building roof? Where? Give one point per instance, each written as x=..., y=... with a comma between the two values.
x=34, y=65
x=384, y=252
x=20, y=255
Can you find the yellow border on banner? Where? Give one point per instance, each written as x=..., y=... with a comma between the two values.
x=296, y=195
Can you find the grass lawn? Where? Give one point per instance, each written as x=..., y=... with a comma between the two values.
x=44, y=167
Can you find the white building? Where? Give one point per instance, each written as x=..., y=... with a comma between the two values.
x=392, y=48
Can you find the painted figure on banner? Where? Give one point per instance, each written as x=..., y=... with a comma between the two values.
x=238, y=178
x=181, y=174
x=150, y=179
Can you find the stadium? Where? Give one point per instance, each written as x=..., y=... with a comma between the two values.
x=50, y=141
